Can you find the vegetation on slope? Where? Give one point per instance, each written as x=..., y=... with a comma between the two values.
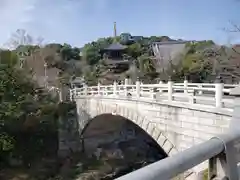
x=65, y=61
x=28, y=119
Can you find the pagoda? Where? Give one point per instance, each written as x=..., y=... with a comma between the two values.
x=113, y=56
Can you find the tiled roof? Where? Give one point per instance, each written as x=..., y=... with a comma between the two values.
x=116, y=46
x=116, y=61
x=170, y=42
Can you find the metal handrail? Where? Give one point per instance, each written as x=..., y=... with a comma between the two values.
x=212, y=149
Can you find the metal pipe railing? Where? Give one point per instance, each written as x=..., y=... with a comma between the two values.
x=170, y=167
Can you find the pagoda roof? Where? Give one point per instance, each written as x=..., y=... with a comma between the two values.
x=119, y=61
x=115, y=46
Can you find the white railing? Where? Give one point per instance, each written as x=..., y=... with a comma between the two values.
x=212, y=95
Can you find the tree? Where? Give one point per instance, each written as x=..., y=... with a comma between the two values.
x=8, y=57
x=20, y=37
x=68, y=53
x=135, y=50
x=145, y=64
x=195, y=62
x=23, y=115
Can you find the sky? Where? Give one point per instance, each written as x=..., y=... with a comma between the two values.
x=80, y=21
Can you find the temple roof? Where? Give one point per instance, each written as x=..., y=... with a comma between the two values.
x=78, y=80
x=115, y=61
x=116, y=46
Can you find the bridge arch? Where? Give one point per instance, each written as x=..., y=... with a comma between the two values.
x=120, y=130
x=98, y=108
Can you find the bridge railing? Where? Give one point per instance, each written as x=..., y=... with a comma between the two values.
x=214, y=95
x=221, y=152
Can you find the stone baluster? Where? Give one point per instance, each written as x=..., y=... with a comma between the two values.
x=185, y=85
x=152, y=92
x=99, y=88
x=70, y=94
x=114, y=88
x=126, y=87
x=170, y=90
x=138, y=89
x=161, y=85
x=85, y=90
x=218, y=93
x=200, y=92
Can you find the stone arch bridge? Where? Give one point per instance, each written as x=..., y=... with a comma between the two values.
x=176, y=115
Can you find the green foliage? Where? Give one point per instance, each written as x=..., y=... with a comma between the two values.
x=91, y=51
x=68, y=53
x=194, y=64
x=27, y=114
x=194, y=47
x=6, y=142
x=8, y=57
x=135, y=50
x=90, y=65
x=145, y=64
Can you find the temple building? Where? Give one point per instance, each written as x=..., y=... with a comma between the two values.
x=113, y=56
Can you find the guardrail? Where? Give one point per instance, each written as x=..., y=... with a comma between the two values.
x=220, y=152
x=214, y=95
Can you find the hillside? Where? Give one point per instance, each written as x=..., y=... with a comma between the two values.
x=64, y=61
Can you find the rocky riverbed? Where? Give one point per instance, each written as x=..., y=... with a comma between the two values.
x=108, y=161
x=111, y=160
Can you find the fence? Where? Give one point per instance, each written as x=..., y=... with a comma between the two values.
x=214, y=95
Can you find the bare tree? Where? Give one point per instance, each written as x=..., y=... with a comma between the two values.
x=24, y=44
x=32, y=54
x=20, y=37
x=226, y=59
x=167, y=54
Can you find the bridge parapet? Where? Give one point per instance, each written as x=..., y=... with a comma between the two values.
x=203, y=94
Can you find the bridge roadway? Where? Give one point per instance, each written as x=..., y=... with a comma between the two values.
x=201, y=99
x=186, y=109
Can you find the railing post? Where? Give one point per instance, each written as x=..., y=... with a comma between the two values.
x=200, y=92
x=75, y=93
x=99, y=88
x=70, y=94
x=185, y=85
x=85, y=90
x=160, y=89
x=114, y=88
x=234, y=123
x=170, y=90
x=192, y=99
x=218, y=93
x=106, y=90
x=126, y=87
x=138, y=89
x=152, y=93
